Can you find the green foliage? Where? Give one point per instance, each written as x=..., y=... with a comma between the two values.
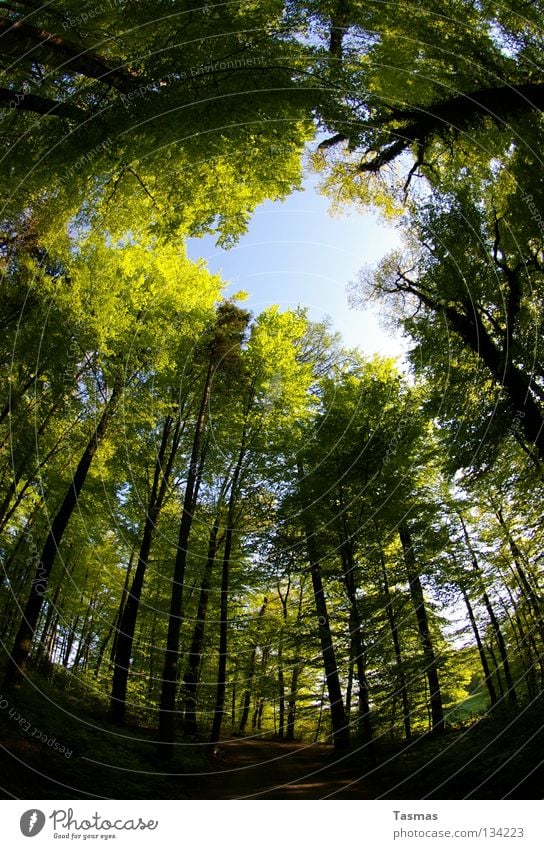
x=144, y=124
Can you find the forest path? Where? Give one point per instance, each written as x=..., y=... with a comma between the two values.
x=260, y=769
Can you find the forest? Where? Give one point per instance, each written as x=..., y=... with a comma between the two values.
x=241, y=559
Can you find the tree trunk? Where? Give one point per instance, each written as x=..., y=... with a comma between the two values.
x=122, y=602
x=127, y=623
x=393, y=625
x=249, y=679
x=431, y=668
x=502, y=649
x=357, y=651
x=25, y=634
x=297, y=668
x=528, y=591
x=51, y=620
x=493, y=619
x=481, y=651
x=70, y=639
x=192, y=673
x=340, y=727
x=281, y=693
x=167, y=711
x=225, y=580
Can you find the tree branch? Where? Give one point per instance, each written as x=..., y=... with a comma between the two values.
x=24, y=102
x=457, y=113
x=20, y=40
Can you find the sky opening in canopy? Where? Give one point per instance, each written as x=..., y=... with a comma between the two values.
x=296, y=253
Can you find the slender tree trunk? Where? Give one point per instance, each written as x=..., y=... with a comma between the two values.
x=320, y=714
x=246, y=702
x=51, y=620
x=258, y=717
x=25, y=634
x=491, y=653
x=528, y=591
x=250, y=676
x=225, y=580
x=124, y=594
x=357, y=651
x=87, y=631
x=17, y=580
x=192, y=673
x=102, y=650
x=340, y=728
x=70, y=639
x=281, y=693
x=292, y=702
x=522, y=630
x=493, y=619
x=223, y=640
x=295, y=673
x=481, y=651
x=127, y=623
x=502, y=649
x=281, y=672
x=357, y=648
x=431, y=668
x=394, y=628
x=167, y=711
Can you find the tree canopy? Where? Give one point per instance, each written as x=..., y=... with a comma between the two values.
x=217, y=524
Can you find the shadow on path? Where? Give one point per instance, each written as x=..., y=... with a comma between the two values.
x=259, y=769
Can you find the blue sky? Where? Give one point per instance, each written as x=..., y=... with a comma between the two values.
x=295, y=253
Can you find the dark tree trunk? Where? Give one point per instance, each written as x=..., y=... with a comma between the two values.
x=128, y=616
x=281, y=673
x=527, y=589
x=292, y=701
x=393, y=625
x=357, y=651
x=51, y=620
x=340, y=727
x=224, y=606
x=496, y=667
x=246, y=702
x=167, y=711
x=502, y=649
x=339, y=724
x=431, y=667
x=122, y=603
x=295, y=673
x=481, y=651
x=493, y=619
x=69, y=643
x=281, y=694
x=192, y=673
x=249, y=678
x=25, y=634
x=223, y=641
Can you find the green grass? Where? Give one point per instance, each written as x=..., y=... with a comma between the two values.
x=469, y=709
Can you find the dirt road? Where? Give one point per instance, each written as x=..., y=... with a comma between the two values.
x=258, y=769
